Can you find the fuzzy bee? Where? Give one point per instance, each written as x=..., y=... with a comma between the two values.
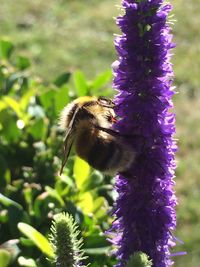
x=88, y=124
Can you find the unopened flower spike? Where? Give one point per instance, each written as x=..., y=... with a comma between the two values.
x=139, y=259
x=143, y=76
x=64, y=239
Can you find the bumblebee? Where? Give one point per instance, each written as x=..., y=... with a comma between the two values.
x=88, y=124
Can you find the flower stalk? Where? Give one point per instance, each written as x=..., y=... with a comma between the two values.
x=143, y=76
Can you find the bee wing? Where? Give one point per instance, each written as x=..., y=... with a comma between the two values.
x=68, y=141
x=106, y=102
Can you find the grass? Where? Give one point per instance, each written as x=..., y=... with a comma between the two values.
x=61, y=35
x=187, y=36
x=187, y=181
x=67, y=35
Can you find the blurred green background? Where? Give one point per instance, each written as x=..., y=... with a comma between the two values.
x=51, y=52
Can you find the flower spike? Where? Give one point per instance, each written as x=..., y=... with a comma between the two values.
x=143, y=76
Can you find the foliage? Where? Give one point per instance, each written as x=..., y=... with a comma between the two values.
x=30, y=158
x=37, y=238
x=4, y=257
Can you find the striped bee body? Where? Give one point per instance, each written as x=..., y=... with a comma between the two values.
x=88, y=122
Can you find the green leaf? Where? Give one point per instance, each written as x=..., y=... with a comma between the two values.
x=13, y=78
x=80, y=83
x=3, y=105
x=81, y=172
x=9, y=202
x=61, y=98
x=39, y=204
x=12, y=103
x=38, y=129
x=6, y=48
x=28, y=196
x=3, y=216
x=96, y=241
x=39, y=240
x=10, y=131
x=26, y=242
x=101, y=80
x=22, y=63
x=12, y=247
x=26, y=262
x=99, y=203
x=95, y=181
x=62, y=79
x=24, y=101
x=5, y=258
x=97, y=244
x=15, y=215
x=86, y=203
x=47, y=98
x=53, y=193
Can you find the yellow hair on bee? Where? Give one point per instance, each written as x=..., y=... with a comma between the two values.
x=85, y=99
x=70, y=108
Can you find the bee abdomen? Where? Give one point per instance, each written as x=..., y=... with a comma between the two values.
x=105, y=156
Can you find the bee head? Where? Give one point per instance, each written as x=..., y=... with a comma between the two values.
x=97, y=110
x=102, y=110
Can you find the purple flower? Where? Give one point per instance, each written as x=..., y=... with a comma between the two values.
x=145, y=214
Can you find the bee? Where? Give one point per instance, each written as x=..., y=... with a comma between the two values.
x=88, y=124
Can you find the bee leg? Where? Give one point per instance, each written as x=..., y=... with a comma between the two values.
x=107, y=130
x=115, y=133
x=108, y=106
